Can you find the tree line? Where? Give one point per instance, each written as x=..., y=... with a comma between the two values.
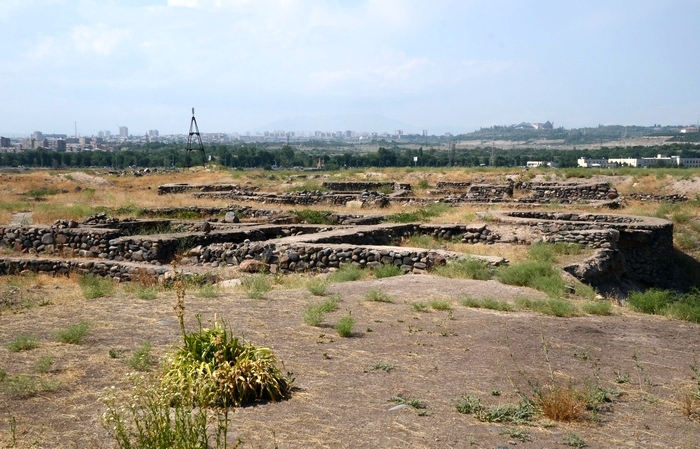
x=268, y=157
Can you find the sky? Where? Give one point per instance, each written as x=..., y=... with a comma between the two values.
x=336, y=65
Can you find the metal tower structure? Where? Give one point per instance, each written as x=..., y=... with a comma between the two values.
x=194, y=131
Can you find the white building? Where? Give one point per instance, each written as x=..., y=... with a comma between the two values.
x=641, y=162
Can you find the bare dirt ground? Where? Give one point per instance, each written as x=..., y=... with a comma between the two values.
x=340, y=401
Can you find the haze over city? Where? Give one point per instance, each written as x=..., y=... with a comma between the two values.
x=365, y=65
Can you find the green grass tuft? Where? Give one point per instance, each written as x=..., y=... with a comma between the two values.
x=256, y=286
x=377, y=295
x=386, y=271
x=23, y=343
x=73, y=334
x=140, y=360
x=344, y=326
x=439, y=304
x=317, y=286
x=95, y=287
x=549, y=306
x=601, y=307
x=467, y=268
x=347, y=273
x=541, y=276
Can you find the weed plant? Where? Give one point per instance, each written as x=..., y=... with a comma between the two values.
x=419, y=306
x=520, y=413
x=563, y=404
x=574, y=440
x=423, y=214
x=439, y=304
x=95, y=287
x=155, y=419
x=347, y=273
x=26, y=386
x=382, y=366
x=467, y=268
x=3, y=374
x=317, y=286
x=377, y=295
x=140, y=360
x=314, y=314
x=256, y=286
x=73, y=334
x=215, y=368
x=23, y=343
x=207, y=291
x=344, y=326
x=44, y=364
x=386, y=271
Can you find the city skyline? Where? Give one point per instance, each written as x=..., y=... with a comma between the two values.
x=362, y=65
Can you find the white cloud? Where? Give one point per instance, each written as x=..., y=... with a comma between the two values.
x=98, y=39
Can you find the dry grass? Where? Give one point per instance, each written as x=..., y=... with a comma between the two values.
x=562, y=404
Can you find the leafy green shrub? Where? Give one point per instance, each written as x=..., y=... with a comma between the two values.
x=541, y=276
x=344, y=326
x=347, y=273
x=23, y=343
x=317, y=286
x=215, y=368
x=439, y=304
x=140, y=360
x=549, y=306
x=652, y=301
x=314, y=216
x=73, y=334
x=467, y=268
x=95, y=287
x=423, y=184
x=386, y=271
x=382, y=366
x=256, y=286
x=520, y=413
x=377, y=295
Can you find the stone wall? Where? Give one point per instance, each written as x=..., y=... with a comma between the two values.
x=167, y=189
x=355, y=186
x=644, y=243
x=119, y=271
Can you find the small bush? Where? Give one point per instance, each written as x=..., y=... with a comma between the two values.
x=215, y=368
x=140, y=360
x=344, y=326
x=439, y=304
x=73, y=334
x=563, y=404
x=23, y=343
x=550, y=306
x=467, y=268
x=256, y=286
x=377, y=295
x=386, y=271
x=317, y=286
x=521, y=413
x=573, y=440
x=95, y=287
x=347, y=273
